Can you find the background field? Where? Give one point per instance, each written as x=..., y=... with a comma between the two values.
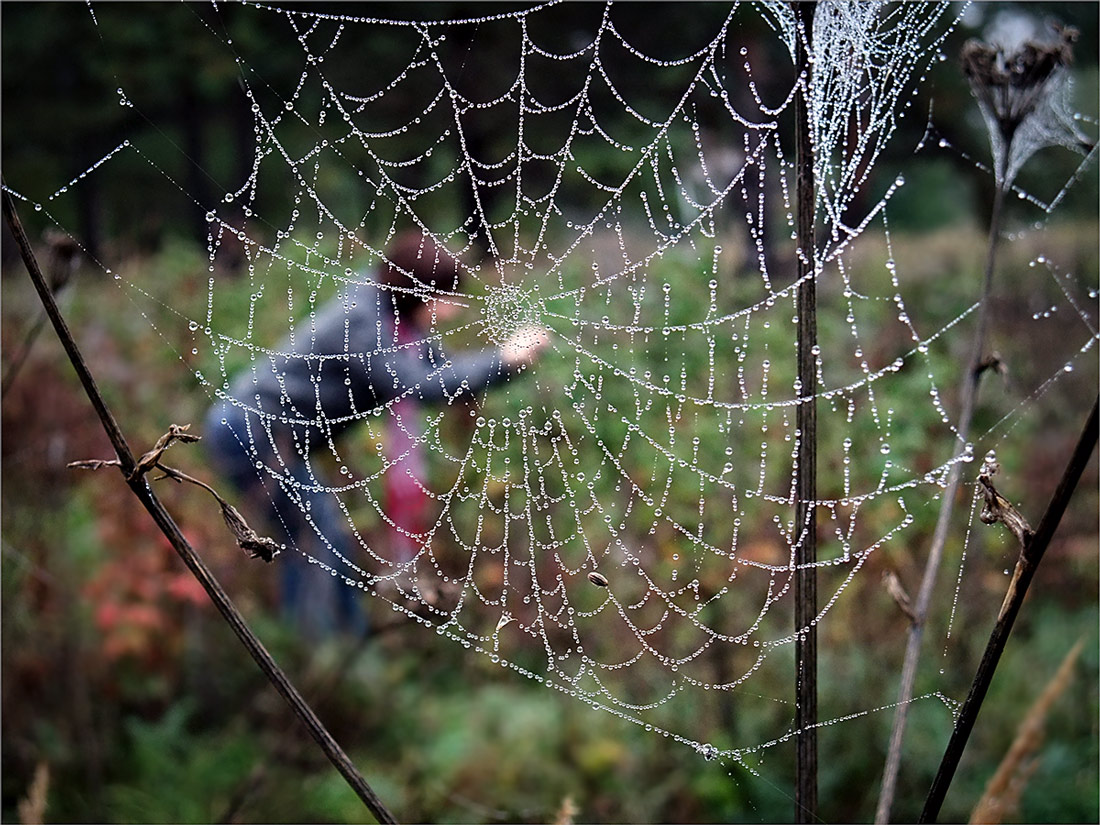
x=120, y=678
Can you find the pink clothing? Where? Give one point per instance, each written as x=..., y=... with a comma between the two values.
x=406, y=499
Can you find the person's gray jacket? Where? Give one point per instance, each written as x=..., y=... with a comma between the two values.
x=345, y=361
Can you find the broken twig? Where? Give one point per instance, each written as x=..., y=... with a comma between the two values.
x=897, y=592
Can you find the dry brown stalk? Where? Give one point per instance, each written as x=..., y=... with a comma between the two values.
x=805, y=552
x=1002, y=794
x=894, y=587
x=566, y=812
x=32, y=807
x=1011, y=88
x=1031, y=555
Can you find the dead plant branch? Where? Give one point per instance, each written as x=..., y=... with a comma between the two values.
x=94, y=464
x=63, y=250
x=171, y=530
x=257, y=546
x=1030, y=557
x=805, y=561
x=968, y=397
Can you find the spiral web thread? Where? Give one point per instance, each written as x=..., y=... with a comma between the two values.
x=616, y=522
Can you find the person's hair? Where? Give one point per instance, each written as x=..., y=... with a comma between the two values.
x=415, y=267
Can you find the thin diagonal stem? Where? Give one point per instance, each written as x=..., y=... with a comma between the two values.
x=805, y=582
x=968, y=400
x=22, y=354
x=164, y=521
x=1030, y=556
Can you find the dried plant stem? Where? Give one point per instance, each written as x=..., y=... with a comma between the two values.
x=32, y=807
x=164, y=521
x=805, y=582
x=1030, y=556
x=968, y=400
x=22, y=354
x=61, y=270
x=1002, y=793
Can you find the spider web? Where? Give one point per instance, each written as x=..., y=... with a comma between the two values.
x=615, y=522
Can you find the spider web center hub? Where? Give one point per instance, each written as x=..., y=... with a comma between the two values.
x=508, y=308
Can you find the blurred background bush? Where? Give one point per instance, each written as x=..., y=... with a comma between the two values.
x=126, y=699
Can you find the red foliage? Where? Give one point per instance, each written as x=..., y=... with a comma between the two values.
x=141, y=594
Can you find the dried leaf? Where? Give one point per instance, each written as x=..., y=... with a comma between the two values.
x=997, y=508
x=150, y=459
x=257, y=546
x=996, y=363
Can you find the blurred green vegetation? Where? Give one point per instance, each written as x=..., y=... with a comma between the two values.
x=119, y=678
x=155, y=716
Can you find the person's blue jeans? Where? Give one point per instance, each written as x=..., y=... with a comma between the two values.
x=299, y=513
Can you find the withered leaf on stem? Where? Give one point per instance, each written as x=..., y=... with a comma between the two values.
x=997, y=508
x=257, y=546
x=148, y=461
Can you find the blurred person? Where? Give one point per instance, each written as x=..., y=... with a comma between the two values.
x=371, y=346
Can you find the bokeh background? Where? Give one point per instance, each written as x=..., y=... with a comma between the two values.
x=126, y=699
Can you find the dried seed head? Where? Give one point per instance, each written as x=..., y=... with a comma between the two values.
x=1022, y=94
x=1012, y=84
x=597, y=579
